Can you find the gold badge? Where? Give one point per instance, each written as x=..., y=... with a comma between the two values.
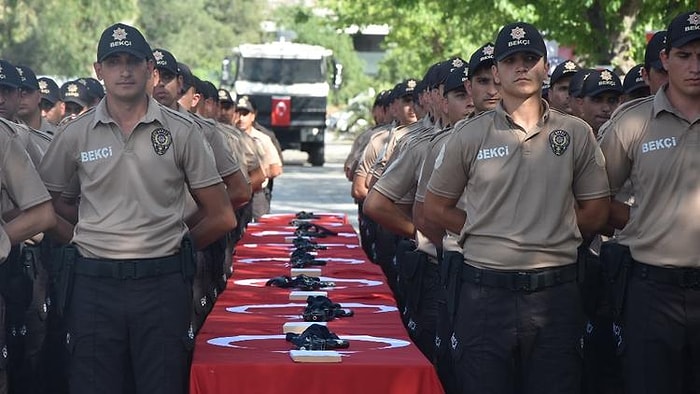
x=161, y=140
x=559, y=141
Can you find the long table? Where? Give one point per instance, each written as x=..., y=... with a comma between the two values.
x=241, y=347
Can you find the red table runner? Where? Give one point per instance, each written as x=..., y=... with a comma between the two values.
x=241, y=347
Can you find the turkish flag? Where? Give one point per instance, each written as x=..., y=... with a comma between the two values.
x=281, y=111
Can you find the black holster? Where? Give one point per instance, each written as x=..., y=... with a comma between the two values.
x=411, y=264
x=188, y=259
x=617, y=263
x=590, y=279
x=62, y=276
x=451, y=278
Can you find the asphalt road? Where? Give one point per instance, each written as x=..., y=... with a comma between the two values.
x=302, y=187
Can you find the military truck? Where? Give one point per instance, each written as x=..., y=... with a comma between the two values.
x=289, y=83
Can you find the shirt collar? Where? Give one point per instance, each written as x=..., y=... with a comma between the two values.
x=153, y=113
x=505, y=116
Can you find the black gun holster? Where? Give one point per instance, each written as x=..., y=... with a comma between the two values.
x=411, y=264
x=617, y=263
x=451, y=268
x=62, y=275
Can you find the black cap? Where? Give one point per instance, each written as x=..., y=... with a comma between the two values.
x=683, y=29
x=429, y=77
x=563, y=69
x=225, y=96
x=403, y=88
x=651, y=54
x=188, y=80
x=378, y=99
x=244, y=102
x=600, y=82
x=207, y=90
x=49, y=90
x=483, y=57
x=576, y=83
x=27, y=78
x=634, y=80
x=455, y=79
x=519, y=37
x=123, y=38
x=9, y=75
x=165, y=61
x=75, y=92
x=443, y=70
x=95, y=88
x=387, y=97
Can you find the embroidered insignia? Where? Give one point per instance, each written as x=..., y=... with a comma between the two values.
x=222, y=95
x=119, y=34
x=465, y=75
x=517, y=33
x=203, y=301
x=158, y=55
x=559, y=141
x=569, y=66
x=488, y=50
x=72, y=88
x=694, y=18
x=43, y=85
x=605, y=75
x=411, y=84
x=20, y=72
x=161, y=140
x=457, y=63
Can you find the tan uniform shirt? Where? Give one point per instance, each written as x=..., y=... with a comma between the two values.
x=371, y=152
x=521, y=187
x=267, y=148
x=247, y=146
x=47, y=127
x=656, y=148
x=358, y=145
x=20, y=181
x=435, y=146
x=131, y=188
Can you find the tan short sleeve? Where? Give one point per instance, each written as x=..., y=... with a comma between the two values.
x=20, y=178
x=400, y=177
x=451, y=170
x=590, y=180
x=199, y=166
x=59, y=164
x=617, y=162
x=226, y=162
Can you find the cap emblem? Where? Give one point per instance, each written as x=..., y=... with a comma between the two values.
x=72, y=89
x=605, y=75
x=412, y=83
x=119, y=34
x=43, y=85
x=517, y=33
x=694, y=18
x=569, y=66
x=158, y=55
x=488, y=50
x=457, y=63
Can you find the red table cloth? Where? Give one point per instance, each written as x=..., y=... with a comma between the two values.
x=241, y=347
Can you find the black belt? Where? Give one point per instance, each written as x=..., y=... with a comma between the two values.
x=681, y=277
x=520, y=280
x=128, y=269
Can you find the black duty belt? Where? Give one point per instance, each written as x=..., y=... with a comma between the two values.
x=681, y=277
x=128, y=269
x=520, y=280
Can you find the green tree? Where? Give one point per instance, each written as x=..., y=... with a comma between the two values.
x=426, y=31
x=312, y=29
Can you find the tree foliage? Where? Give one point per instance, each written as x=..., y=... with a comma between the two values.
x=426, y=31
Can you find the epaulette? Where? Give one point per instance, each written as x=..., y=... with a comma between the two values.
x=628, y=105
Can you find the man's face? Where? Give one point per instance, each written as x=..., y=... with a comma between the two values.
x=72, y=108
x=596, y=110
x=187, y=99
x=53, y=113
x=484, y=90
x=403, y=110
x=521, y=74
x=683, y=66
x=227, y=113
x=245, y=119
x=9, y=102
x=28, y=103
x=125, y=76
x=167, y=88
x=559, y=95
x=211, y=109
x=378, y=114
x=458, y=105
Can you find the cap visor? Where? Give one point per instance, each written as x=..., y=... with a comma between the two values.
x=128, y=50
x=513, y=50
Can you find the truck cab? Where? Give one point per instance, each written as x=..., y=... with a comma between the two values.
x=289, y=83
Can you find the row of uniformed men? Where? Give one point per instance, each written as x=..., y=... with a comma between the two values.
x=35, y=111
x=484, y=204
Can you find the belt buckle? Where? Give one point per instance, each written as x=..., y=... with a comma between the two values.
x=127, y=270
x=523, y=281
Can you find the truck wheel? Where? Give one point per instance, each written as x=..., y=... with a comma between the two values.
x=316, y=156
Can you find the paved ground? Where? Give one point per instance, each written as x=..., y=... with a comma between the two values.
x=302, y=187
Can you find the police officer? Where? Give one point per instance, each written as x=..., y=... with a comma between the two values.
x=76, y=99
x=52, y=107
x=575, y=86
x=227, y=107
x=599, y=98
x=654, y=73
x=525, y=168
x=271, y=163
x=558, y=96
x=654, y=144
x=29, y=111
x=133, y=158
x=634, y=86
x=483, y=88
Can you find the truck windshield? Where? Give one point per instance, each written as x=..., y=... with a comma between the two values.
x=282, y=71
